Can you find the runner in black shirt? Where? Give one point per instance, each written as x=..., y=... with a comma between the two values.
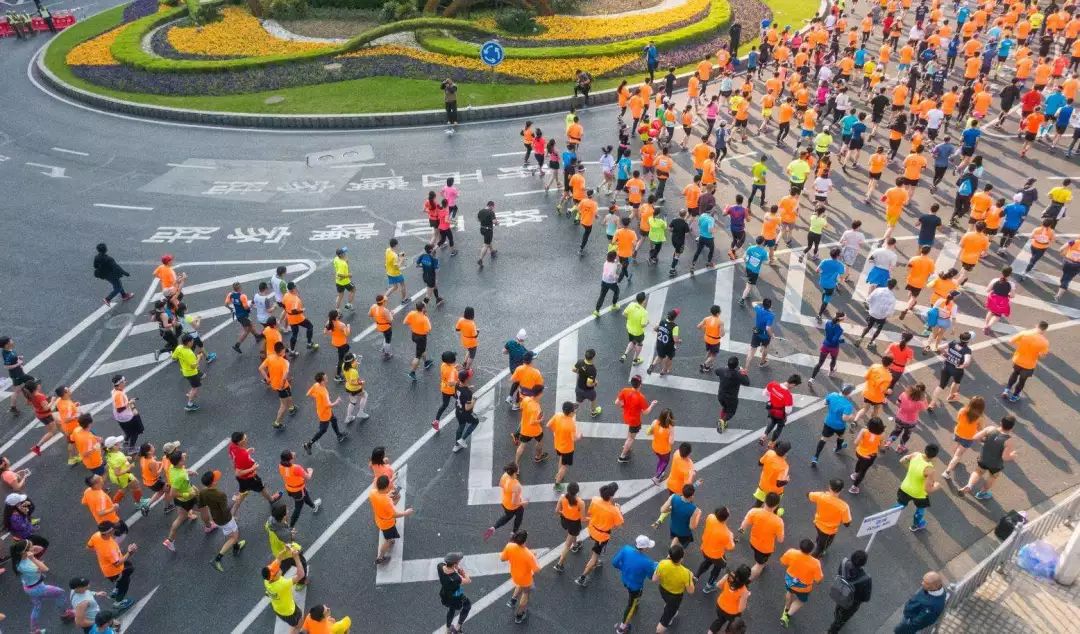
x=451, y=578
x=667, y=338
x=463, y=410
x=731, y=379
x=877, y=108
x=585, y=390
x=679, y=228
x=487, y=220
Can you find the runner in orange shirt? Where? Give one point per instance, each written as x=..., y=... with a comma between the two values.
x=920, y=268
x=384, y=322
x=868, y=443
x=324, y=409
x=604, y=517
x=973, y=245
x=829, y=513
x=385, y=516
x=565, y=434
x=766, y=530
x=294, y=316
x=275, y=372
x=896, y=197
x=803, y=571
x=523, y=566
x=419, y=325
x=513, y=504
x=171, y=282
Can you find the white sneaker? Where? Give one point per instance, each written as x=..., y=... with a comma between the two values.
x=510, y=400
x=318, y=505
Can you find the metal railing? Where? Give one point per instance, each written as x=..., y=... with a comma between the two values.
x=1066, y=512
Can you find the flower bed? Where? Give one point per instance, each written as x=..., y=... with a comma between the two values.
x=140, y=9
x=601, y=36
x=236, y=34
x=569, y=28
x=96, y=51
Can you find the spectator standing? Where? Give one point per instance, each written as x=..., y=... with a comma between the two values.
x=924, y=608
x=106, y=268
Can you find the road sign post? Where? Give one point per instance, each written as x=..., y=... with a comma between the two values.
x=873, y=524
x=492, y=54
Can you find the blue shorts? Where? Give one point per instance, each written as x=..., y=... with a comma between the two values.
x=395, y=279
x=826, y=294
x=963, y=442
x=796, y=587
x=877, y=276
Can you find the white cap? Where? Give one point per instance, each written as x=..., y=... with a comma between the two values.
x=521, y=335
x=14, y=499
x=643, y=542
x=113, y=441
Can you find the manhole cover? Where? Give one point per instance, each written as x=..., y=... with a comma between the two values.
x=274, y=99
x=116, y=322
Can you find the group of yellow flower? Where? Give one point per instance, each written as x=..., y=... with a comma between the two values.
x=536, y=70
x=96, y=51
x=238, y=34
x=566, y=27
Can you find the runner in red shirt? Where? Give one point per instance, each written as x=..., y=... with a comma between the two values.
x=780, y=401
x=634, y=406
x=902, y=353
x=43, y=411
x=247, y=470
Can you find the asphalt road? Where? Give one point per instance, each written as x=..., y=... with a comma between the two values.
x=245, y=201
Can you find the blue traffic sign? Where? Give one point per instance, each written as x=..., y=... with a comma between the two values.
x=492, y=53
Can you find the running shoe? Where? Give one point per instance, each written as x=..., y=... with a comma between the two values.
x=596, y=411
x=813, y=462
x=785, y=619
x=123, y=604
x=435, y=424
x=488, y=532
x=853, y=490
x=318, y=505
x=307, y=447
x=191, y=407
x=216, y=563
x=918, y=526
x=167, y=543
x=558, y=567
x=582, y=581
x=311, y=346
x=983, y=495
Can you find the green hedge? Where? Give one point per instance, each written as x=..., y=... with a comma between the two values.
x=719, y=15
x=127, y=49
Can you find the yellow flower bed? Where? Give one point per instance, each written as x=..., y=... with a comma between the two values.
x=567, y=27
x=237, y=33
x=95, y=51
x=537, y=70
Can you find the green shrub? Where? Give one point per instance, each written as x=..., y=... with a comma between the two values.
x=395, y=10
x=517, y=21
x=565, y=6
x=285, y=9
x=201, y=13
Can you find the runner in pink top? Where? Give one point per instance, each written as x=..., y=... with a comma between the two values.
x=912, y=402
x=450, y=193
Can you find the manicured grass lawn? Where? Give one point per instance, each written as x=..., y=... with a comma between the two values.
x=379, y=94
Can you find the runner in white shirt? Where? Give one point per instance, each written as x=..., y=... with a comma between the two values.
x=882, y=259
x=934, y=117
x=851, y=242
x=264, y=303
x=822, y=186
x=881, y=304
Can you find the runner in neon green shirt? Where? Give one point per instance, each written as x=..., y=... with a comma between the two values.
x=637, y=318
x=343, y=278
x=185, y=357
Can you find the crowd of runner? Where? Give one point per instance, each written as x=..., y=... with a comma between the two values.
x=905, y=73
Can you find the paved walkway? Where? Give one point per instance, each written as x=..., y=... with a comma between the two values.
x=1018, y=602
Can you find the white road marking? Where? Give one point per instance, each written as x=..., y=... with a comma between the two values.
x=66, y=151
x=393, y=313
x=534, y=191
x=149, y=326
x=518, y=153
x=192, y=166
x=297, y=211
x=132, y=613
x=1061, y=178
x=129, y=207
x=482, y=444
x=1023, y=257
x=477, y=565
x=53, y=171
x=738, y=156
x=356, y=166
x=307, y=266
x=565, y=379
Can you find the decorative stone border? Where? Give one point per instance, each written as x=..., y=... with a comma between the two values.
x=325, y=122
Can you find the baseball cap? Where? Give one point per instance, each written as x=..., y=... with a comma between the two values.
x=211, y=477
x=453, y=558
x=170, y=447
x=165, y=259
x=113, y=441
x=643, y=542
x=521, y=335
x=15, y=499
x=342, y=250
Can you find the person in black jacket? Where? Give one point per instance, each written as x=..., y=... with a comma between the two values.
x=106, y=268
x=851, y=568
x=731, y=379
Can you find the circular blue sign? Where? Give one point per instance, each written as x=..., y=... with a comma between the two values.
x=492, y=53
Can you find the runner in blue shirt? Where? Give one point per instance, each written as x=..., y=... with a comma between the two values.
x=762, y=334
x=634, y=567
x=829, y=273
x=1014, y=214
x=830, y=346
x=622, y=171
x=855, y=141
x=755, y=258
x=706, y=222
x=839, y=411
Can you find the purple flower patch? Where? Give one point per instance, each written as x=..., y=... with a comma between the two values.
x=139, y=9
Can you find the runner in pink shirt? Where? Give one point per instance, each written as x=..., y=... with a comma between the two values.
x=450, y=193
x=912, y=402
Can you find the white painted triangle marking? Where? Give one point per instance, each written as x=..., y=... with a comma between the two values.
x=1021, y=261
x=478, y=565
x=306, y=268
x=482, y=444
x=150, y=326
x=565, y=379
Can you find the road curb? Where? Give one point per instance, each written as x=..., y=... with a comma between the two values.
x=329, y=121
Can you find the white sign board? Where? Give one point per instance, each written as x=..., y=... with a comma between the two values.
x=879, y=521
